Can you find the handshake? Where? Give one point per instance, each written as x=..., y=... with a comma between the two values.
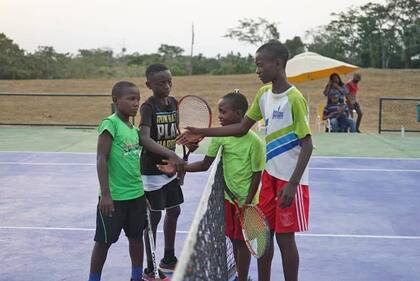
x=189, y=139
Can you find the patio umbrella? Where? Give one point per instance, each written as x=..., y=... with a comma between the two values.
x=311, y=66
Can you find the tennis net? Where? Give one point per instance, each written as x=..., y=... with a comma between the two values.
x=207, y=254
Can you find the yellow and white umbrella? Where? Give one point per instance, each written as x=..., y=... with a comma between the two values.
x=311, y=66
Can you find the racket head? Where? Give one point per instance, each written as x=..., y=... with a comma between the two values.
x=193, y=111
x=255, y=230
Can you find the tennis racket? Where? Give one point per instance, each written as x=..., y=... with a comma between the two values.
x=193, y=111
x=152, y=244
x=254, y=226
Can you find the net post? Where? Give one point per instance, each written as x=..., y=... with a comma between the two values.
x=380, y=115
x=204, y=255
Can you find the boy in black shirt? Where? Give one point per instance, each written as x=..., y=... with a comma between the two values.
x=158, y=130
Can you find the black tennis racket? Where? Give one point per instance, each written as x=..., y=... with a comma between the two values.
x=193, y=111
x=152, y=245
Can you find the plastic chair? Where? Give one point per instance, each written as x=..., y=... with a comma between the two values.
x=323, y=125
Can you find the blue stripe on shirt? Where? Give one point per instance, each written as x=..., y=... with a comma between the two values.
x=281, y=149
x=280, y=141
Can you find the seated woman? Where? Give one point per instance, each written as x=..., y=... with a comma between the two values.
x=338, y=115
x=335, y=86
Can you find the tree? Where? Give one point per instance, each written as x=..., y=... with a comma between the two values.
x=255, y=32
x=12, y=60
x=373, y=35
x=46, y=63
x=295, y=46
x=405, y=17
x=324, y=43
x=170, y=51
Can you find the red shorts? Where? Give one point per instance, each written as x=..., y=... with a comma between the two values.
x=233, y=228
x=284, y=220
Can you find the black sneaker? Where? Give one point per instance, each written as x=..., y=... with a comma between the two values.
x=168, y=265
x=148, y=275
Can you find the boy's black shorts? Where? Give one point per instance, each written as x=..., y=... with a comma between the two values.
x=169, y=196
x=129, y=215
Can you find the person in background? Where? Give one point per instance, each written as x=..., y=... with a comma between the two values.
x=351, y=100
x=338, y=115
x=335, y=86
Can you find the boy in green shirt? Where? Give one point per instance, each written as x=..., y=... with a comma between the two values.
x=243, y=161
x=121, y=200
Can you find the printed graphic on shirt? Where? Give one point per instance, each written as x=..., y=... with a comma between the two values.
x=130, y=148
x=277, y=113
x=166, y=129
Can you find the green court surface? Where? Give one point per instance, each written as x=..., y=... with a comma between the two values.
x=22, y=138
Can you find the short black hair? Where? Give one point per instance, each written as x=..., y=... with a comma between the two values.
x=277, y=50
x=155, y=68
x=120, y=87
x=357, y=75
x=237, y=101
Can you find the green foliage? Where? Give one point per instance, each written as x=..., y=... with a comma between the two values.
x=256, y=32
x=46, y=63
x=295, y=46
x=373, y=35
x=12, y=60
x=169, y=51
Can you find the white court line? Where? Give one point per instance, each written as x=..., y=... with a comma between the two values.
x=62, y=228
x=186, y=232
x=364, y=158
x=49, y=152
x=314, y=168
x=365, y=170
x=358, y=236
x=199, y=154
x=47, y=164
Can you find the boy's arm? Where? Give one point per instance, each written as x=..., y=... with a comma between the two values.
x=198, y=166
x=156, y=148
x=255, y=183
x=286, y=197
x=194, y=134
x=106, y=205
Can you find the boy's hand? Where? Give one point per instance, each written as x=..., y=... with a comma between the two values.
x=179, y=165
x=106, y=205
x=286, y=196
x=191, y=135
x=166, y=168
x=192, y=146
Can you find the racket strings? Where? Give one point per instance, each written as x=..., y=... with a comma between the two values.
x=255, y=230
x=193, y=112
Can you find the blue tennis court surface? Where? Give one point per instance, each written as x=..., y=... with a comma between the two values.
x=364, y=219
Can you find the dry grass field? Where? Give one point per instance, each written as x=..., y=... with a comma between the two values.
x=84, y=110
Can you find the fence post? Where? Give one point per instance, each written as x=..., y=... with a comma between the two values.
x=418, y=112
x=380, y=115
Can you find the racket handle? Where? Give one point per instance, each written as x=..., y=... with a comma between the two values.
x=186, y=153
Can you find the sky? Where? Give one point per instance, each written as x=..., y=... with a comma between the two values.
x=142, y=26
